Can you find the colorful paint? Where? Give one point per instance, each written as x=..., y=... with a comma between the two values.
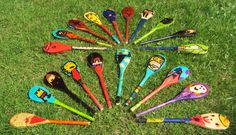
x=41, y=94
x=23, y=120
x=95, y=60
x=145, y=15
x=123, y=57
x=193, y=91
x=176, y=75
x=179, y=34
x=214, y=121
x=111, y=17
x=93, y=17
x=162, y=24
x=128, y=13
x=71, y=69
x=54, y=80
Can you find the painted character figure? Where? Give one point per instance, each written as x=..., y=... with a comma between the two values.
x=147, y=13
x=42, y=94
x=176, y=73
x=212, y=120
x=53, y=79
x=91, y=16
x=69, y=66
x=155, y=63
x=198, y=89
x=195, y=90
x=50, y=78
x=97, y=61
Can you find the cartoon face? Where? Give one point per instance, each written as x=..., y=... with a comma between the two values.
x=91, y=16
x=97, y=61
x=22, y=120
x=69, y=66
x=198, y=89
x=50, y=78
x=155, y=63
x=215, y=121
x=147, y=14
x=62, y=33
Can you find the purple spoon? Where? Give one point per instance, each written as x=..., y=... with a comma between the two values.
x=193, y=91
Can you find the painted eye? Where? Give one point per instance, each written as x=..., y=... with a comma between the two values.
x=72, y=67
x=196, y=119
x=213, y=115
x=217, y=124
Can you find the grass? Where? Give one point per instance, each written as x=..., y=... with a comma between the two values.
x=26, y=26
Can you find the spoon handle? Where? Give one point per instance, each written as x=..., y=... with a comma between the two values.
x=57, y=102
x=146, y=98
x=86, y=40
x=142, y=21
x=137, y=89
x=127, y=31
x=154, y=108
x=146, y=35
x=104, y=89
x=87, y=90
x=70, y=122
x=117, y=30
x=89, y=48
x=78, y=100
x=101, y=37
x=119, y=87
x=110, y=34
x=157, y=40
x=161, y=120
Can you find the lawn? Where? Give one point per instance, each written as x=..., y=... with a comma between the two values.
x=27, y=25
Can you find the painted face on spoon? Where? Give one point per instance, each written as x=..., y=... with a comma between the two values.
x=212, y=121
x=69, y=66
x=198, y=89
x=155, y=63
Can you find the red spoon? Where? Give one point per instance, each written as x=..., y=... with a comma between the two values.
x=57, y=47
x=95, y=60
x=127, y=13
x=79, y=25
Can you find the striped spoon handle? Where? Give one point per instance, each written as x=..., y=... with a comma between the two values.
x=89, y=48
x=163, y=120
